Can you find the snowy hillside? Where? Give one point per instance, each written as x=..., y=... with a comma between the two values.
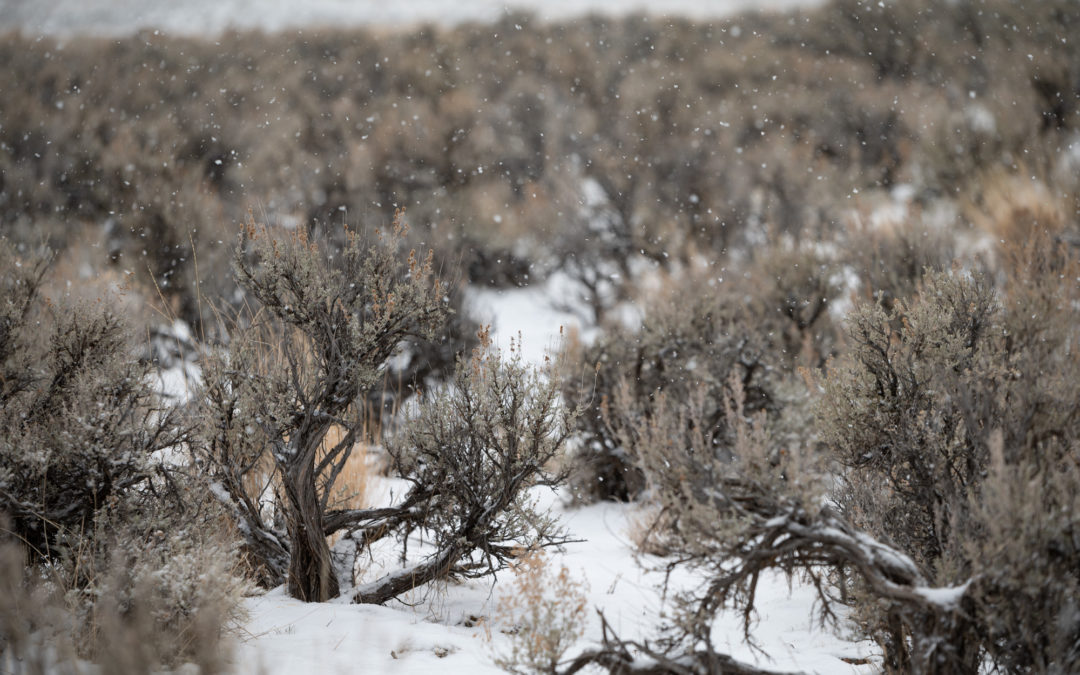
x=208, y=17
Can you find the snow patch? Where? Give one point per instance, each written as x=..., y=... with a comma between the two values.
x=442, y=631
x=209, y=18
x=946, y=597
x=535, y=318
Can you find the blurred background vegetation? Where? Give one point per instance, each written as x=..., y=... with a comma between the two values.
x=523, y=147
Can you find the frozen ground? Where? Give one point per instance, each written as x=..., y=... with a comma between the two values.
x=209, y=17
x=287, y=636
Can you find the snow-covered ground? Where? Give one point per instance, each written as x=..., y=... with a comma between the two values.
x=286, y=636
x=210, y=17
x=530, y=317
x=436, y=629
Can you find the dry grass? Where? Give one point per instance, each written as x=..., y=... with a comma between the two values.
x=543, y=616
x=351, y=490
x=1012, y=207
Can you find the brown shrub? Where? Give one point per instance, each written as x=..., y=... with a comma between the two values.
x=757, y=321
x=545, y=612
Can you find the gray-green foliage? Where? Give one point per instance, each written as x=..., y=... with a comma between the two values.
x=154, y=584
x=734, y=511
x=697, y=342
x=950, y=432
x=328, y=323
x=756, y=322
x=474, y=449
x=112, y=538
x=79, y=422
x=955, y=415
x=696, y=132
x=326, y=328
x=144, y=588
x=952, y=529
x=894, y=410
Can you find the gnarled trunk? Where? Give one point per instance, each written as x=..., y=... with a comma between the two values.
x=403, y=581
x=311, y=567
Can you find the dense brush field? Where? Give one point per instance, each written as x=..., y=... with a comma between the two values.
x=828, y=260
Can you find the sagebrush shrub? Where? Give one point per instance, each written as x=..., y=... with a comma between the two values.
x=697, y=133
x=932, y=490
x=155, y=586
x=79, y=422
x=113, y=538
x=302, y=372
x=955, y=415
x=887, y=413
x=336, y=320
x=759, y=322
x=471, y=455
